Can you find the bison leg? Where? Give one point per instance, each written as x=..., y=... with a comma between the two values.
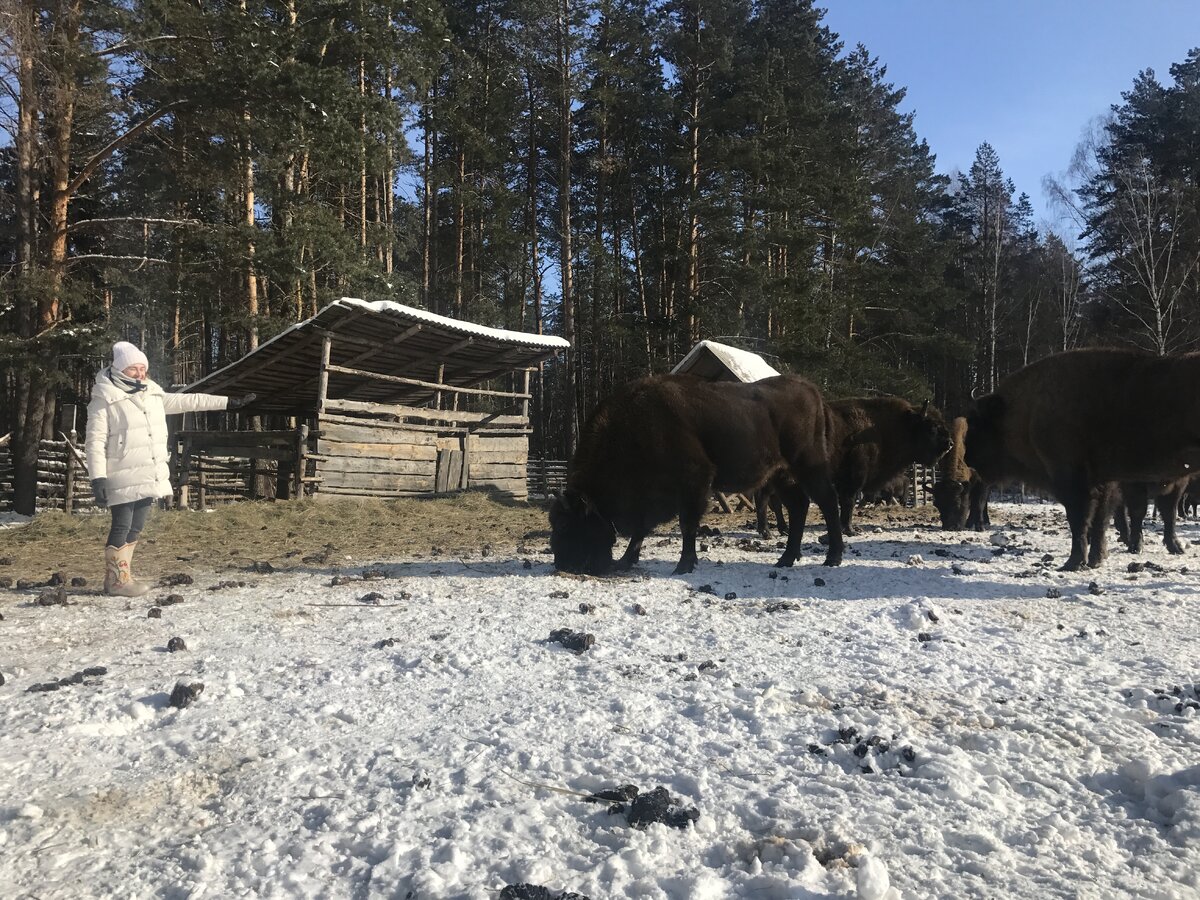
x=690, y=513
x=760, y=512
x=796, y=501
x=822, y=491
x=777, y=508
x=978, y=518
x=1135, y=499
x=1075, y=497
x=1168, y=507
x=846, y=511
x=1100, y=504
x=632, y=553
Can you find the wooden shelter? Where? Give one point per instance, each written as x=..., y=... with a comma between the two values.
x=388, y=401
x=720, y=362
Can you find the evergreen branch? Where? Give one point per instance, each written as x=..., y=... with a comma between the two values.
x=112, y=257
x=121, y=46
x=111, y=147
x=146, y=219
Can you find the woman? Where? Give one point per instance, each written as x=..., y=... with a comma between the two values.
x=127, y=453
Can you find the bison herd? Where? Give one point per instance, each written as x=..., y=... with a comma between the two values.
x=1090, y=427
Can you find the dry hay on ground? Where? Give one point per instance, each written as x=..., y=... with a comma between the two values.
x=283, y=534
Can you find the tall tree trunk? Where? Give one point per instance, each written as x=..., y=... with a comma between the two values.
x=574, y=400
x=389, y=195
x=251, y=279
x=30, y=390
x=427, y=196
x=460, y=229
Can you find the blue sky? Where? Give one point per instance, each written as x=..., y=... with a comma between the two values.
x=1025, y=75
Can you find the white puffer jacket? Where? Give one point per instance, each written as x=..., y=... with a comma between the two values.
x=127, y=436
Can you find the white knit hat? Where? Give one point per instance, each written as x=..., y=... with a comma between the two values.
x=126, y=354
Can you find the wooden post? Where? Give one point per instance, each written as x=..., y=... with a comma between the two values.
x=323, y=374
x=301, y=457
x=202, y=494
x=69, y=486
x=437, y=397
x=184, y=475
x=525, y=391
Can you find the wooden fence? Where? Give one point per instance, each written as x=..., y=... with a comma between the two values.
x=62, y=477
x=545, y=476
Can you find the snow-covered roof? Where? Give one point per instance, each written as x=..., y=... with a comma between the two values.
x=720, y=362
x=380, y=336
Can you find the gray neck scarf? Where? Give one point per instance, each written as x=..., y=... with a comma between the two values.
x=124, y=382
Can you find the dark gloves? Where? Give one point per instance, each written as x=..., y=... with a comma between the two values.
x=239, y=402
x=100, y=491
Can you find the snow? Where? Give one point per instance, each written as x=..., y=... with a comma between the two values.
x=744, y=365
x=13, y=520
x=460, y=325
x=1027, y=747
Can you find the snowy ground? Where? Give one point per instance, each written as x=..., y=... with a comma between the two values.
x=1030, y=747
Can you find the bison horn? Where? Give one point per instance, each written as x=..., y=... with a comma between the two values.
x=925, y=408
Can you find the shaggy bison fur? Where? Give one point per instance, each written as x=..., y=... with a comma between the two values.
x=876, y=439
x=1077, y=422
x=960, y=495
x=658, y=448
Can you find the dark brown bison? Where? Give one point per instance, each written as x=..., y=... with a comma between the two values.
x=893, y=493
x=1131, y=511
x=657, y=449
x=960, y=495
x=877, y=438
x=1078, y=422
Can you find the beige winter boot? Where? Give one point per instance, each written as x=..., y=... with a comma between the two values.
x=118, y=577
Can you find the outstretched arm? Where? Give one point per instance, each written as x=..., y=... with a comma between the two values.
x=186, y=403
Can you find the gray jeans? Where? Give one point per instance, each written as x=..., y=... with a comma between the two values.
x=128, y=521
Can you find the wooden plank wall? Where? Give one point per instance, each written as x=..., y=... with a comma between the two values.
x=374, y=459
x=499, y=463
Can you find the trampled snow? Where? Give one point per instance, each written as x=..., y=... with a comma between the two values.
x=925, y=724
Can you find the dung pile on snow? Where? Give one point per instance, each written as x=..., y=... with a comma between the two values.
x=641, y=810
x=537, y=892
x=80, y=677
x=577, y=641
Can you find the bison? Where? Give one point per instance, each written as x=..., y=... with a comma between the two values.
x=960, y=495
x=657, y=449
x=877, y=438
x=1077, y=422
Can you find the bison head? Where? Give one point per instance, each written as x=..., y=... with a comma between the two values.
x=930, y=437
x=580, y=537
x=953, y=502
x=984, y=444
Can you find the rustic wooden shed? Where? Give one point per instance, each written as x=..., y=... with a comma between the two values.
x=389, y=403
x=720, y=362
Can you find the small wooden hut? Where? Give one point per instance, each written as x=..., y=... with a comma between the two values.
x=720, y=362
x=388, y=403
